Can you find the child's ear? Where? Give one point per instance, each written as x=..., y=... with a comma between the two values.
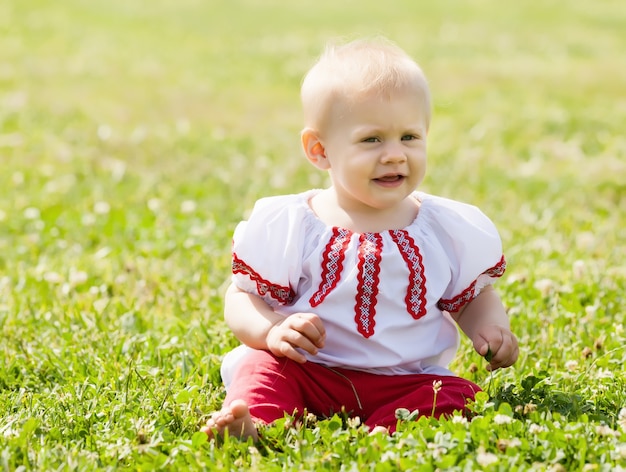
x=314, y=149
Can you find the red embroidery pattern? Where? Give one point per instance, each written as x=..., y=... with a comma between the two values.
x=467, y=295
x=498, y=269
x=332, y=264
x=416, y=293
x=369, y=255
x=284, y=295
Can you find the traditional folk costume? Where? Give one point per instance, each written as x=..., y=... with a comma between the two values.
x=384, y=300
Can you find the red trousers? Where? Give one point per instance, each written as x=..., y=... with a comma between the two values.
x=273, y=386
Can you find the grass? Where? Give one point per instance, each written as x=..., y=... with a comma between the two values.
x=134, y=135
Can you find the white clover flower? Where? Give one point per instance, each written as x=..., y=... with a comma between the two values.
x=502, y=419
x=545, y=286
x=121, y=279
x=77, y=277
x=3, y=215
x=571, y=365
x=32, y=213
x=102, y=252
x=101, y=208
x=53, y=277
x=586, y=240
x=579, y=268
x=436, y=450
x=17, y=178
x=154, y=205
x=604, y=430
x=354, y=422
x=535, y=428
x=556, y=468
x=388, y=456
x=504, y=444
x=100, y=304
x=518, y=277
x=458, y=419
x=117, y=168
x=104, y=132
x=188, y=206
x=604, y=374
x=486, y=458
x=88, y=219
x=10, y=432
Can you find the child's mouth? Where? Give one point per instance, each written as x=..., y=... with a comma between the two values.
x=390, y=178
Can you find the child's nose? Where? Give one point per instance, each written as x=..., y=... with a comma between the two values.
x=393, y=154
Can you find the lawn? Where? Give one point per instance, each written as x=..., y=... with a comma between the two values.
x=135, y=134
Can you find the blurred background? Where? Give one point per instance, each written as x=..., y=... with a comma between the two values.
x=169, y=101
x=135, y=134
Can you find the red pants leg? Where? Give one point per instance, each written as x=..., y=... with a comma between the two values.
x=274, y=386
x=383, y=395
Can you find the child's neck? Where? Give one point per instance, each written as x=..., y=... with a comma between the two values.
x=365, y=220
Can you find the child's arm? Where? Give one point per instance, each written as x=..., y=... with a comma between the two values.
x=485, y=322
x=255, y=324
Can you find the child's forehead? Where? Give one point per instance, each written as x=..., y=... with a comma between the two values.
x=364, y=98
x=362, y=92
x=404, y=101
x=370, y=113
x=345, y=103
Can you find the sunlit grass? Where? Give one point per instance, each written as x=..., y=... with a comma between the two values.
x=134, y=135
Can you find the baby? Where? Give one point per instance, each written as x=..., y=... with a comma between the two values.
x=348, y=298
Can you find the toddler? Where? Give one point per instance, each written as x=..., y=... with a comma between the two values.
x=348, y=298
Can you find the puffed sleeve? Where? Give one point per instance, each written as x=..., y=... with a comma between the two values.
x=474, y=250
x=267, y=250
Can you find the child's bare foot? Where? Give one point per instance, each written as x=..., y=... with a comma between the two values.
x=234, y=418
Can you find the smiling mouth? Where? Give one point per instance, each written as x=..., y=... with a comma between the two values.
x=390, y=178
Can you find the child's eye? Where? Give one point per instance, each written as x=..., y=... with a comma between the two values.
x=372, y=139
x=409, y=137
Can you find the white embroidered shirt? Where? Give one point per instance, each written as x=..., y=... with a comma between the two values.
x=383, y=296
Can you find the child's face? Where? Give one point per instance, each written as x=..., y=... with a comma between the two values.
x=376, y=150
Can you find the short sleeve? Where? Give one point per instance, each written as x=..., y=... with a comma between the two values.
x=267, y=250
x=474, y=251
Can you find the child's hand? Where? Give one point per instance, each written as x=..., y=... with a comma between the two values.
x=497, y=345
x=299, y=330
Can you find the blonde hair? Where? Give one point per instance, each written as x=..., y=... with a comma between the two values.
x=350, y=71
